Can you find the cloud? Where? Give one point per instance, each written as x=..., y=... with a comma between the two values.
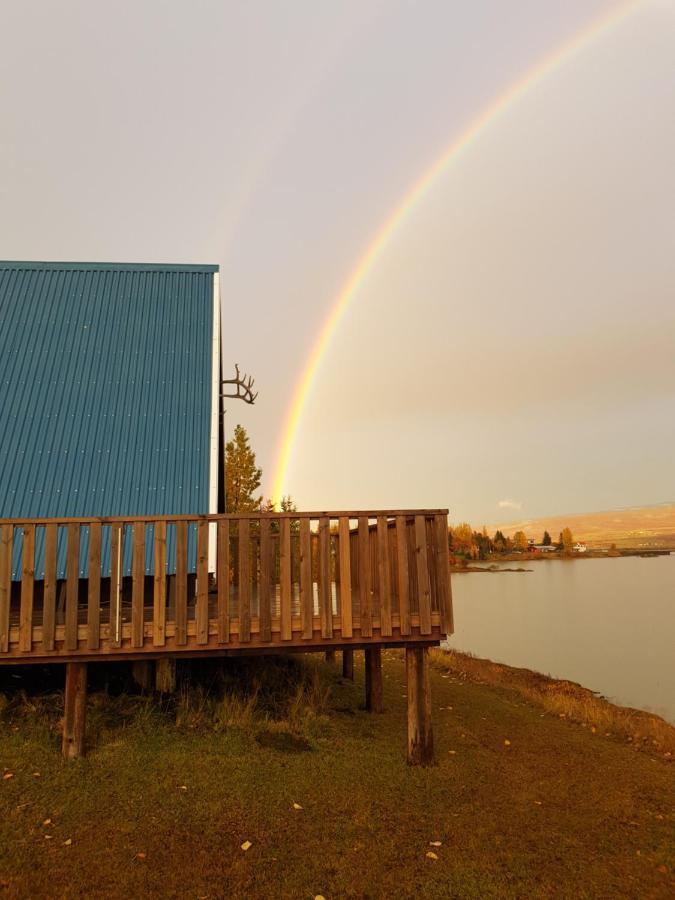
x=510, y=504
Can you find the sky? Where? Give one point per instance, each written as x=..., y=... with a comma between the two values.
x=511, y=350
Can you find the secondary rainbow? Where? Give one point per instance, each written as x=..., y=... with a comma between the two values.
x=487, y=117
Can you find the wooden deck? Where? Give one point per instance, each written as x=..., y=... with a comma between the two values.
x=117, y=588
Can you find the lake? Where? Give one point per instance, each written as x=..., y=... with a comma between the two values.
x=608, y=624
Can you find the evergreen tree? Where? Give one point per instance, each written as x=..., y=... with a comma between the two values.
x=546, y=540
x=242, y=476
x=520, y=540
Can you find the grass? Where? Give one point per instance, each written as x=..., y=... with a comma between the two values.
x=171, y=790
x=565, y=699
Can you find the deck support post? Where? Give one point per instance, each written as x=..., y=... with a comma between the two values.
x=74, y=710
x=374, y=679
x=348, y=664
x=141, y=672
x=420, y=734
x=165, y=675
x=330, y=656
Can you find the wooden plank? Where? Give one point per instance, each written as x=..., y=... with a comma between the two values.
x=116, y=575
x=285, y=580
x=420, y=734
x=443, y=575
x=423, y=584
x=384, y=572
x=72, y=585
x=138, y=585
x=27, y=590
x=325, y=598
x=244, y=580
x=365, y=582
x=403, y=575
x=49, y=600
x=94, y=588
x=345, y=579
x=6, y=541
x=159, y=587
x=202, y=610
x=181, y=582
x=348, y=663
x=306, y=585
x=265, y=584
x=223, y=577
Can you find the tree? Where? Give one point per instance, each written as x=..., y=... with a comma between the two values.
x=462, y=539
x=520, y=540
x=566, y=540
x=499, y=542
x=242, y=476
x=546, y=540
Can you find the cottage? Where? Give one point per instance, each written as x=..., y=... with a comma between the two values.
x=114, y=543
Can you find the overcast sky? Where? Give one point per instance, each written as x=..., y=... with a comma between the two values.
x=513, y=349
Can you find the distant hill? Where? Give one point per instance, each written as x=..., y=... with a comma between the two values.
x=633, y=526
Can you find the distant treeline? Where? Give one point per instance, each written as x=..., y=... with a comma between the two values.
x=465, y=542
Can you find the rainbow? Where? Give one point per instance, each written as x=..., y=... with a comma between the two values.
x=475, y=129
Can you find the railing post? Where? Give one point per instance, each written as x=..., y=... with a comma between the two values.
x=348, y=663
x=420, y=734
x=74, y=710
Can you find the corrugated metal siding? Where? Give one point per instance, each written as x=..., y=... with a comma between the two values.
x=105, y=390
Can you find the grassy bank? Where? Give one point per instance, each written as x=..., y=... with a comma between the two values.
x=522, y=803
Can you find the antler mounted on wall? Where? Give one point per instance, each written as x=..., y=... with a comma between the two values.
x=244, y=384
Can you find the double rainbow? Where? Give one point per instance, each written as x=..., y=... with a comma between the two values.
x=487, y=117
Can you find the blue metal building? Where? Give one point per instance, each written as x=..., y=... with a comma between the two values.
x=109, y=390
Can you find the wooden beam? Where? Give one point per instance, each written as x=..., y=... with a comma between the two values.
x=403, y=574
x=374, y=701
x=27, y=589
x=72, y=585
x=116, y=575
x=94, y=588
x=420, y=734
x=285, y=574
x=165, y=675
x=306, y=585
x=244, y=580
x=365, y=582
x=265, y=583
x=181, y=582
x=223, y=579
x=348, y=663
x=6, y=539
x=384, y=575
x=423, y=582
x=74, y=710
x=325, y=589
x=142, y=672
x=138, y=585
x=345, y=573
x=49, y=600
x=159, y=587
x=202, y=607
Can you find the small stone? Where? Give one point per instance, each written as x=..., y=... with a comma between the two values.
x=246, y=846
x=507, y=743
x=435, y=843
x=68, y=842
x=431, y=854
x=296, y=806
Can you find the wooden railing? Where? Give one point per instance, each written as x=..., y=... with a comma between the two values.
x=93, y=587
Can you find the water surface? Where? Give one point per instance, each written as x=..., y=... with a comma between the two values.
x=608, y=624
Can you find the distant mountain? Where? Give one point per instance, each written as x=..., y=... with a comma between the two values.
x=629, y=526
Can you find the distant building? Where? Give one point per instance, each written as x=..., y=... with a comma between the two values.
x=580, y=548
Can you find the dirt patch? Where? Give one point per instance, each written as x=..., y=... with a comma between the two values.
x=283, y=741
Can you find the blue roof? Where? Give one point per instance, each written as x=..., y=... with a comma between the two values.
x=105, y=389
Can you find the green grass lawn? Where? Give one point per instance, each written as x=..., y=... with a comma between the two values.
x=166, y=797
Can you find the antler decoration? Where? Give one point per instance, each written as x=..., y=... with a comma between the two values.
x=244, y=384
